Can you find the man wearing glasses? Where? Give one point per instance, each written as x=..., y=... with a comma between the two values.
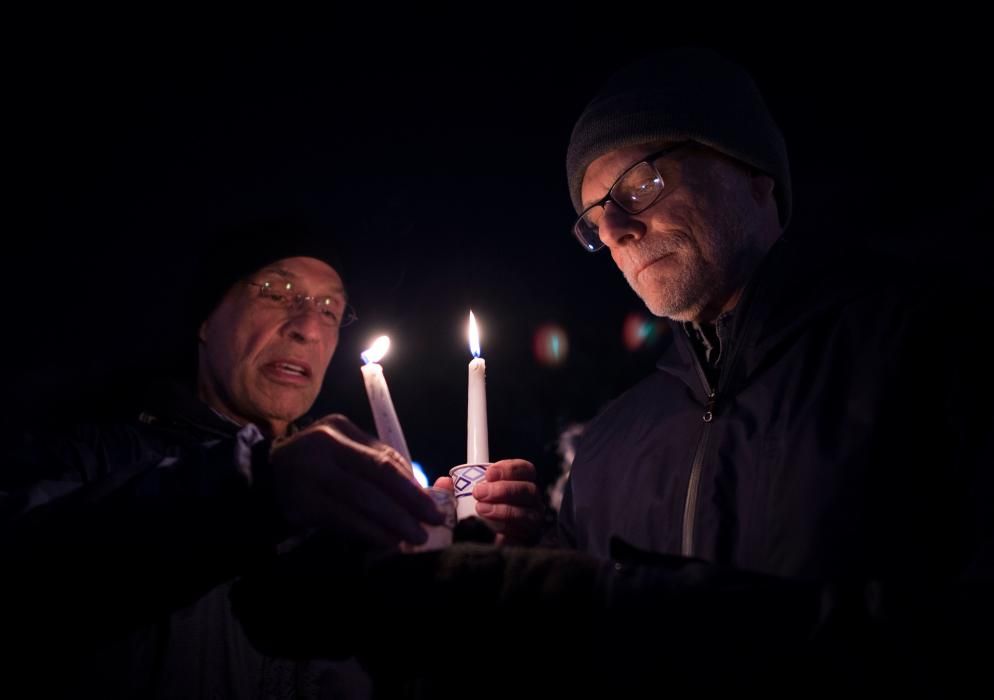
x=679, y=170
x=121, y=543
x=798, y=500
x=799, y=421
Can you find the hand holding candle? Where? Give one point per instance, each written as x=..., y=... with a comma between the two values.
x=389, y=431
x=384, y=415
x=510, y=502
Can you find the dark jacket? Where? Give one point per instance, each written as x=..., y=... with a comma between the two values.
x=120, y=544
x=846, y=446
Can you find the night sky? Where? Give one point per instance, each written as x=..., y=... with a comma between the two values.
x=434, y=149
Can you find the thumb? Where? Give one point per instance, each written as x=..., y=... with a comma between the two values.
x=444, y=482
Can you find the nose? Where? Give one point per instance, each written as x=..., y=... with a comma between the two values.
x=617, y=227
x=304, y=323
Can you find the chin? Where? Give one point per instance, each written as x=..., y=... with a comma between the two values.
x=678, y=297
x=669, y=307
x=283, y=411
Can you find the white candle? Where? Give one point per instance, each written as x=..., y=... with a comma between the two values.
x=384, y=415
x=477, y=441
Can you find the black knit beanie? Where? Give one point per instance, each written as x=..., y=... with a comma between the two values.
x=682, y=95
x=237, y=252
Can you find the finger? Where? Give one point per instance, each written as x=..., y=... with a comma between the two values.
x=329, y=434
x=356, y=434
x=444, y=482
x=347, y=427
x=343, y=426
x=377, y=465
x=354, y=438
x=520, y=493
x=398, y=462
x=405, y=491
x=511, y=470
x=355, y=453
x=514, y=521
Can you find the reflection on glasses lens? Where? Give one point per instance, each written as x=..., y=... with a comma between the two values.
x=638, y=189
x=587, y=235
x=279, y=293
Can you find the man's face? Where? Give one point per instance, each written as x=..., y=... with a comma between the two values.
x=689, y=254
x=263, y=361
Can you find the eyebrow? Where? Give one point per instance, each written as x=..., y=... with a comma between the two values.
x=286, y=274
x=655, y=154
x=589, y=203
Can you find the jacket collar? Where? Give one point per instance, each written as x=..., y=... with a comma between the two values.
x=796, y=284
x=175, y=405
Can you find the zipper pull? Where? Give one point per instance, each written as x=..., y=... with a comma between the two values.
x=709, y=410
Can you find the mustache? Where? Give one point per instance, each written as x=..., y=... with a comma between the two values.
x=649, y=251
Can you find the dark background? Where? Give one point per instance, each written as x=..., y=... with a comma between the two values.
x=433, y=147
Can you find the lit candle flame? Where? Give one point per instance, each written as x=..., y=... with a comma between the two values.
x=474, y=336
x=377, y=350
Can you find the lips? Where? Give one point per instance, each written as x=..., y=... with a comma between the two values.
x=649, y=263
x=288, y=370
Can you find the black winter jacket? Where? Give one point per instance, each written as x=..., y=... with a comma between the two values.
x=120, y=544
x=846, y=448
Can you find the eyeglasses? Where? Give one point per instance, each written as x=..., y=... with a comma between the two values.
x=637, y=189
x=280, y=292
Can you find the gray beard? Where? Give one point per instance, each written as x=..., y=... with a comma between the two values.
x=696, y=283
x=687, y=288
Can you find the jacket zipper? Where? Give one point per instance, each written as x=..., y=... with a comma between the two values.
x=693, y=487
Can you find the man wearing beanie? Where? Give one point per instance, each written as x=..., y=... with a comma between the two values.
x=121, y=542
x=805, y=423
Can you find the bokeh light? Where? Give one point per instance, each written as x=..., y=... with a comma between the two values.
x=641, y=330
x=550, y=344
x=419, y=474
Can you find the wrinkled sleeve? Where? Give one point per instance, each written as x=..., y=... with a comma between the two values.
x=107, y=529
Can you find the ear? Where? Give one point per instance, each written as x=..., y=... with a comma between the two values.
x=762, y=189
x=202, y=332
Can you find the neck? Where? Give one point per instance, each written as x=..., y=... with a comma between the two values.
x=210, y=395
x=709, y=313
x=748, y=268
